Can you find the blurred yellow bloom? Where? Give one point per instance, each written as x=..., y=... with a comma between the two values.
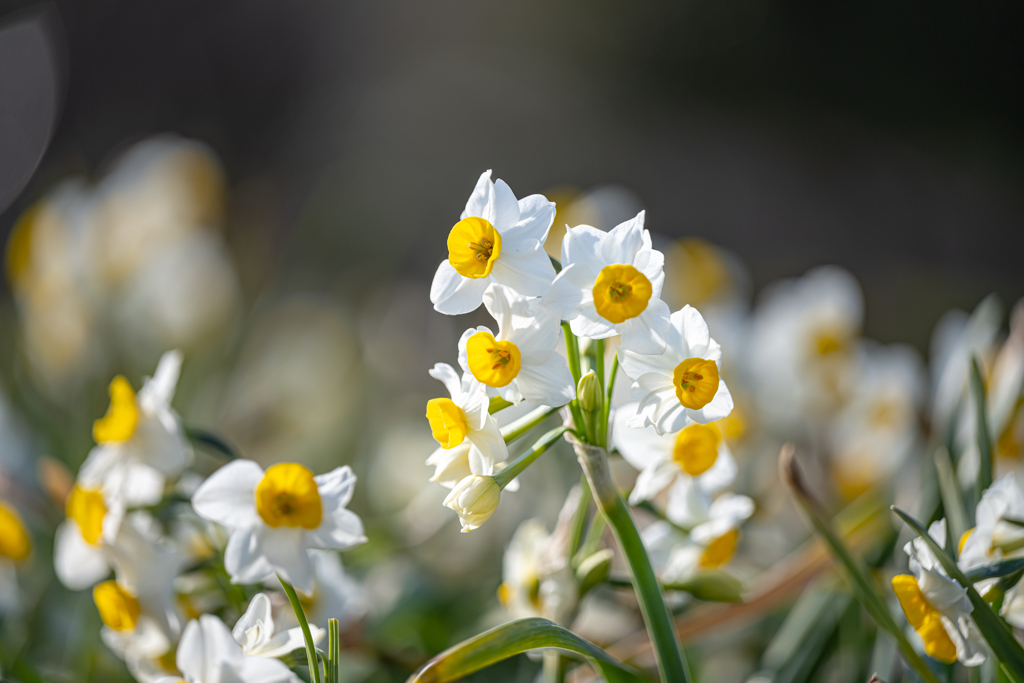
x=122, y=415
x=695, y=271
x=118, y=608
x=15, y=543
x=19, y=246
x=288, y=496
x=473, y=247
x=720, y=550
x=87, y=509
x=696, y=448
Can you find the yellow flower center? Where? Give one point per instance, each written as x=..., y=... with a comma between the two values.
x=720, y=550
x=87, y=509
x=118, y=608
x=696, y=448
x=19, y=245
x=446, y=422
x=288, y=496
x=963, y=540
x=621, y=292
x=493, y=362
x=167, y=661
x=122, y=415
x=829, y=341
x=473, y=247
x=15, y=543
x=924, y=619
x=696, y=382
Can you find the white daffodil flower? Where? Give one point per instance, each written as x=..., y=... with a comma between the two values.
x=681, y=385
x=15, y=547
x=696, y=452
x=536, y=578
x=498, y=240
x=714, y=526
x=801, y=357
x=878, y=427
x=255, y=632
x=140, y=440
x=336, y=594
x=470, y=440
x=138, y=611
x=81, y=554
x=208, y=653
x=521, y=361
x=994, y=538
x=936, y=606
x=276, y=516
x=611, y=284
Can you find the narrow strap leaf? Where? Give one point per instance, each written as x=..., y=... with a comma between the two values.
x=515, y=638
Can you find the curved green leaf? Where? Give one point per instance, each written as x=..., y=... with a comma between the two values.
x=999, y=638
x=995, y=570
x=515, y=638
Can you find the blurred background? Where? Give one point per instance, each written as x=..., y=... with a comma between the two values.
x=268, y=187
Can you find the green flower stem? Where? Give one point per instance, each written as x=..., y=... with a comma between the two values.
x=527, y=422
x=333, y=651
x=497, y=404
x=599, y=360
x=572, y=349
x=579, y=519
x=657, y=617
x=606, y=408
x=311, y=657
x=981, y=421
x=505, y=476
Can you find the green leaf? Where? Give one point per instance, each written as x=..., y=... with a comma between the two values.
x=952, y=500
x=858, y=578
x=594, y=570
x=981, y=421
x=515, y=638
x=999, y=638
x=995, y=570
x=711, y=587
x=212, y=441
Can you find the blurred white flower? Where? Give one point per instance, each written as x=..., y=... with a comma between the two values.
x=801, y=350
x=536, y=578
x=255, y=632
x=470, y=440
x=610, y=284
x=276, y=516
x=208, y=653
x=681, y=385
x=140, y=441
x=521, y=361
x=15, y=548
x=696, y=452
x=714, y=526
x=80, y=554
x=936, y=606
x=877, y=428
x=498, y=240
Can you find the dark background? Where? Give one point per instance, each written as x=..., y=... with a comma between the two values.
x=883, y=136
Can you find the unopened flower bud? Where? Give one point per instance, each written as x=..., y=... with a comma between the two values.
x=588, y=392
x=474, y=499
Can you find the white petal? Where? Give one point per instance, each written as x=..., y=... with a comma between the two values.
x=340, y=530
x=694, y=331
x=453, y=294
x=220, y=648
x=479, y=200
x=228, y=497
x=563, y=298
x=652, y=480
x=535, y=216
x=244, y=559
x=78, y=564
x=158, y=391
x=719, y=407
x=652, y=264
x=506, y=207
x=529, y=272
x=722, y=474
x=688, y=504
x=549, y=383
x=446, y=374
x=635, y=365
x=336, y=487
x=589, y=324
x=452, y=464
x=265, y=670
x=582, y=244
x=489, y=443
x=498, y=300
x=647, y=333
x=191, y=655
x=285, y=551
x=257, y=615
x=623, y=241
x=285, y=642
x=641, y=448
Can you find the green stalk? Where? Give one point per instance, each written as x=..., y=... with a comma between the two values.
x=981, y=418
x=333, y=651
x=497, y=404
x=579, y=519
x=311, y=657
x=599, y=361
x=527, y=422
x=526, y=459
x=607, y=407
x=657, y=617
x=572, y=349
